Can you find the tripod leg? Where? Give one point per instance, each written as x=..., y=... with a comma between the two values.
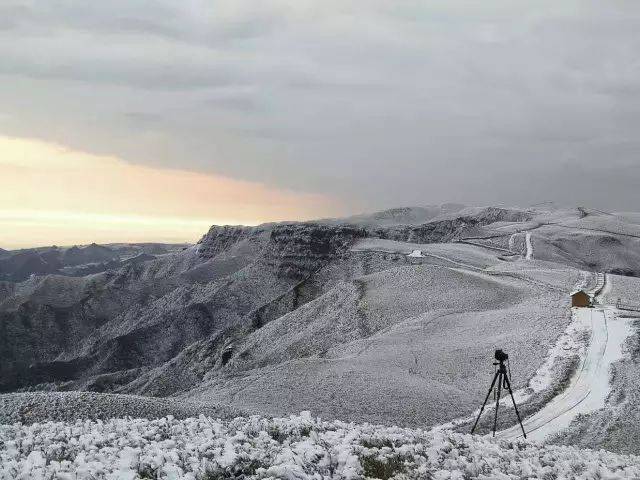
x=508, y=383
x=495, y=418
x=485, y=401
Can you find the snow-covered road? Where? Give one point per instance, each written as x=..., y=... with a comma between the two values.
x=528, y=245
x=589, y=386
x=527, y=241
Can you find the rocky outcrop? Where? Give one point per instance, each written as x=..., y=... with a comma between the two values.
x=220, y=237
x=297, y=250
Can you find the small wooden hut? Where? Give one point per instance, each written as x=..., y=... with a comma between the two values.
x=581, y=299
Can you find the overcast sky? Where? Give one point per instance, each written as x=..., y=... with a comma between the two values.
x=370, y=103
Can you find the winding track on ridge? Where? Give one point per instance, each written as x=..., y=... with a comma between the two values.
x=558, y=413
x=589, y=386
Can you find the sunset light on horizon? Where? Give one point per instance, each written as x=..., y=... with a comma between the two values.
x=52, y=195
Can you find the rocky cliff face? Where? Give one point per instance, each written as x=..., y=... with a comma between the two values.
x=296, y=251
x=221, y=238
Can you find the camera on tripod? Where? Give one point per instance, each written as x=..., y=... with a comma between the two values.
x=500, y=356
x=501, y=380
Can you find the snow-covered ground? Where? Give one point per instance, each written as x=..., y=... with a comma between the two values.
x=389, y=328
x=294, y=448
x=462, y=255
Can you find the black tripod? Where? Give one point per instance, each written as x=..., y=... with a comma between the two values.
x=503, y=382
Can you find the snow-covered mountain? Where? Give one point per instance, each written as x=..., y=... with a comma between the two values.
x=388, y=318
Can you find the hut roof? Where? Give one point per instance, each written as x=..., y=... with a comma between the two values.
x=575, y=292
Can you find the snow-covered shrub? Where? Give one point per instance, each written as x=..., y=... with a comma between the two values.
x=294, y=448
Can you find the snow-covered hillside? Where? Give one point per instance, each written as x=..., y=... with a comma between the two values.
x=385, y=318
x=294, y=448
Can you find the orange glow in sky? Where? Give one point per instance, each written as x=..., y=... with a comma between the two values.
x=51, y=195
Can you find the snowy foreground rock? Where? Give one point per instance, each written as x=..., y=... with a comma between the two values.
x=298, y=447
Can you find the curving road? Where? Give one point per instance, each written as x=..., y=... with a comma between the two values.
x=589, y=386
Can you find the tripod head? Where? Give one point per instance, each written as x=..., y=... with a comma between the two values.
x=501, y=357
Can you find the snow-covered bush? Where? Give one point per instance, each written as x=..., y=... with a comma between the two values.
x=294, y=448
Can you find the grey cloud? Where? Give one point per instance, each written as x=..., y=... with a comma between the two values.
x=146, y=76
x=204, y=23
x=377, y=103
x=239, y=104
x=142, y=119
x=12, y=15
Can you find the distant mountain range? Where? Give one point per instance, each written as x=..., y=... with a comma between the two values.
x=19, y=265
